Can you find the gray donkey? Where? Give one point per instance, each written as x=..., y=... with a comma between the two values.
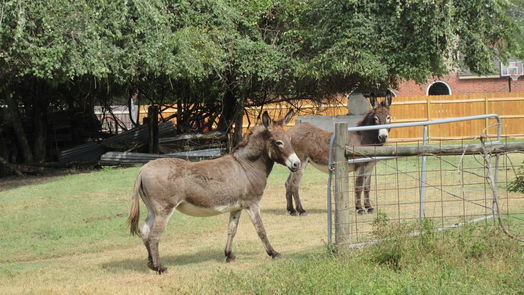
x=312, y=145
x=206, y=188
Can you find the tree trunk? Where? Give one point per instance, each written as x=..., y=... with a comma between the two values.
x=16, y=123
x=229, y=109
x=239, y=122
x=40, y=104
x=3, y=153
x=152, y=114
x=179, y=117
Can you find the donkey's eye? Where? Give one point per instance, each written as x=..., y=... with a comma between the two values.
x=279, y=143
x=376, y=120
x=388, y=118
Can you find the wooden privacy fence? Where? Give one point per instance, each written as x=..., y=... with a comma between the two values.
x=510, y=107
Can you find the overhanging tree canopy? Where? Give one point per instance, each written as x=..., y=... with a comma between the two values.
x=220, y=54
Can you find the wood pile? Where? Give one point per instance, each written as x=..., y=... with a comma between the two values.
x=130, y=159
x=128, y=140
x=136, y=136
x=119, y=149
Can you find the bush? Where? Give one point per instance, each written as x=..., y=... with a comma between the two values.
x=517, y=185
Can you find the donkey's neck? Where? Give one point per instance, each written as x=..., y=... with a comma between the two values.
x=369, y=137
x=255, y=162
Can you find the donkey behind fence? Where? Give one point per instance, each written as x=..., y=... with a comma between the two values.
x=206, y=188
x=312, y=145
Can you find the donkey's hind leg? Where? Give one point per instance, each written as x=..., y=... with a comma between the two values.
x=145, y=230
x=234, y=217
x=158, y=226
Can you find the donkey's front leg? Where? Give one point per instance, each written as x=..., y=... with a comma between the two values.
x=359, y=180
x=367, y=189
x=292, y=187
x=254, y=214
x=289, y=194
x=234, y=217
x=367, y=173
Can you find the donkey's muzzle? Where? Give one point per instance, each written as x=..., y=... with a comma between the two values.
x=293, y=162
x=383, y=135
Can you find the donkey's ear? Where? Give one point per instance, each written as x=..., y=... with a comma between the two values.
x=372, y=100
x=288, y=116
x=389, y=97
x=267, y=121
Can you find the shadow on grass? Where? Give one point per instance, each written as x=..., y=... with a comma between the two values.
x=14, y=182
x=283, y=211
x=139, y=264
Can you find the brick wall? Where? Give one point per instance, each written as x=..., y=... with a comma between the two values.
x=463, y=86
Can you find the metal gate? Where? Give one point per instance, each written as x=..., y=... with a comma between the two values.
x=450, y=184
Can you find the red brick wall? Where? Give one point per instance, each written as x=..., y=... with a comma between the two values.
x=463, y=86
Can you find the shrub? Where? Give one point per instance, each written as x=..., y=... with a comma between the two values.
x=517, y=185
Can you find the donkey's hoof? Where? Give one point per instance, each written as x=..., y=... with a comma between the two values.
x=361, y=211
x=230, y=258
x=293, y=213
x=160, y=269
x=303, y=213
x=276, y=255
x=371, y=210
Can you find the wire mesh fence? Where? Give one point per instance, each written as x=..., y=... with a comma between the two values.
x=456, y=191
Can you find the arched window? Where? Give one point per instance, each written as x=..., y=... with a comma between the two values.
x=439, y=88
x=392, y=92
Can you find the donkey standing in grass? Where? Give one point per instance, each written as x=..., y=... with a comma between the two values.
x=206, y=188
x=312, y=145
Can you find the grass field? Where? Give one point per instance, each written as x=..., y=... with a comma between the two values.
x=67, y=235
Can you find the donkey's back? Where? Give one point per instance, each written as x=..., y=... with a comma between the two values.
x=311, y=144
x=200, y=189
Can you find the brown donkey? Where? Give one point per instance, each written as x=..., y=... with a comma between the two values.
x=312, y=145
x=206, y=188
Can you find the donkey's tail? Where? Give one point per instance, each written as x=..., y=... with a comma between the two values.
x=134, y=213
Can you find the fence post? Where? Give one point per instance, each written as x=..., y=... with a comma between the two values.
x=342, y=225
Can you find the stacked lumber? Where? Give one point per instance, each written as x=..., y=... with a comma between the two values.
x=205, y=136
x=137, y=136
x=91, y=152
x=129, y=159
x=87, y=152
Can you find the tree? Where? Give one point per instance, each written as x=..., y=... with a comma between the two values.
x=516, y=12
x=357, y=44
x=212, y=58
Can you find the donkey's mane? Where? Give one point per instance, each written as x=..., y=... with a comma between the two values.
x=254, y=130
x=368, y=118
x=247, y=137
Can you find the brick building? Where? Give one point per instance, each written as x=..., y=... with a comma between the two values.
x=462, y=82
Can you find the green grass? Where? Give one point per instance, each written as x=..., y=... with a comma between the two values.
x=470, y=260
x=68, y=236
x=81, y=213
x=73, y=214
